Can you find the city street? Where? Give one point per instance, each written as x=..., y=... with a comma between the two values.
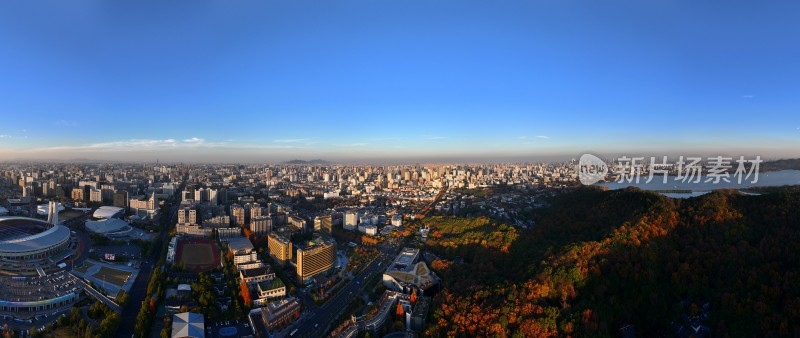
x=138, y=291
x=320, y=321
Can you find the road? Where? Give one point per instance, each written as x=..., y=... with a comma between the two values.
x=97, y=295
x=317, y=324
x=138, y=291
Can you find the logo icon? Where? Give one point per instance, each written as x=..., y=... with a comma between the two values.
x=591, y=169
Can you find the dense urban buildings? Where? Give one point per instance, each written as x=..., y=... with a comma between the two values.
x=273, y=248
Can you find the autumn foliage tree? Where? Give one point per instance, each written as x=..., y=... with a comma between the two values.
x=247, y=233
x=245, y=292
x=413, y=297
x=369, y=240
x=597, y=260
x=400, y=312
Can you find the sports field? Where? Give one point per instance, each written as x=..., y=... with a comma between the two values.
x=198, y=254
x=113, y=276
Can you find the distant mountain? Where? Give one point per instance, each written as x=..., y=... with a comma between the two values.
x=781, y=165
x=317, y=161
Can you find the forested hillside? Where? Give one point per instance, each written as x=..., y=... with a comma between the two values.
x=598, y=261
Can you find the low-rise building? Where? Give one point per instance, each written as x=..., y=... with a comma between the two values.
x=188, y=324
x=229, y=232
x=256, y=274
x=267, y=290
x=281, y=313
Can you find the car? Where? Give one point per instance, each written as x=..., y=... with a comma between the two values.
x=316, y=325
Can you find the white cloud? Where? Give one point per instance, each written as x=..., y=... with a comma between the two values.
x=5, y=136
x=544, y=137
x=137, y=144
x=355, y=144
x=293, y=140
x=748, y=96
x=522, y=138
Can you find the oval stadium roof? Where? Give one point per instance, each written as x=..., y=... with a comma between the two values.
x=107, y=212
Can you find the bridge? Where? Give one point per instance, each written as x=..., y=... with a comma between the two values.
x=98, y=295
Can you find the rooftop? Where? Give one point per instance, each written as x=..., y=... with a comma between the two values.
x=254, y=272
x=107, y=212
x=188, y=324
x=273, y=284
x=239, y=244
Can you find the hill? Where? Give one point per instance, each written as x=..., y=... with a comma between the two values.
x=600, y=263
x=778, y=165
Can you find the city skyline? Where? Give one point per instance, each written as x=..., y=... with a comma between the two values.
x=387, y=82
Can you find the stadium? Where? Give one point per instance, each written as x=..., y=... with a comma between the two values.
x=30, y=282
x=25, y=239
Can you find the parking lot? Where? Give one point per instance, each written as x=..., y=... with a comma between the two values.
x=131, y=251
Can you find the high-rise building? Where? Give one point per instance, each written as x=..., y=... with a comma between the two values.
x=261, y=225
x=148, y=204
x=298, y=222
x=350, y=220
x=280, y=248
x=187, y=195
x=217, y=222
x=324, y=224
x=200, y=195
x=95, y=196
x=314, y=259
x=253, y=210
x=121, y=199
x=107, y=191
x=206, y=195
x=237, y=215
x=77, y=194
x=212, y=197
x=187, y=215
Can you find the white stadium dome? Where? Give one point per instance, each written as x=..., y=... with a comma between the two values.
x=107, y=226
x=107, y=212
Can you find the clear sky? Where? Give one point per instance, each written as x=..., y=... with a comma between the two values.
x=397, y=80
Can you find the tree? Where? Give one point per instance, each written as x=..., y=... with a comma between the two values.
x=400, y=312
x=245, y=291
x=34, y=332
x=413, y=297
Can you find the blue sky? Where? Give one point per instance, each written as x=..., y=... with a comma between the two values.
x=403, y=80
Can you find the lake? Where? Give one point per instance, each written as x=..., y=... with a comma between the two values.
x=765, y=179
